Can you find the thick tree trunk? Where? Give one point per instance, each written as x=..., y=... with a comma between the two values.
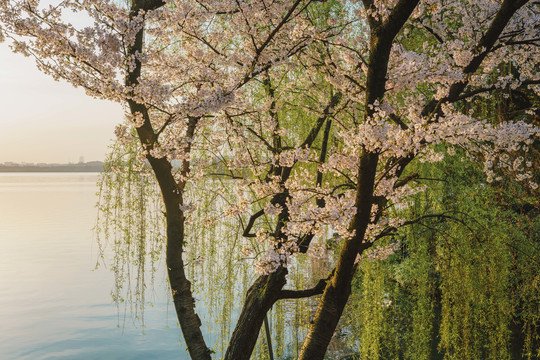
x=260, y=297
x=338, y=289
x=172, y=197
x=184, y=302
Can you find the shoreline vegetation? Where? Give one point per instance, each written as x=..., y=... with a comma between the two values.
x=91, y=166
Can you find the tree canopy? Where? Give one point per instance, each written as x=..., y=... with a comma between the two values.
x=323, y=120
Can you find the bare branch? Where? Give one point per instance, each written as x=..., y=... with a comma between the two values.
x=298, y=294
x=251, y=222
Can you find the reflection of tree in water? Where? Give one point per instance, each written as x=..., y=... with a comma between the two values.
x=131, y=238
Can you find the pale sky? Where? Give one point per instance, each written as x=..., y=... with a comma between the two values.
x=42, y=120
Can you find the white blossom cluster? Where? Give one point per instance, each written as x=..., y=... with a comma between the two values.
x=245, y=90
x=415, y=75
x=379, y=253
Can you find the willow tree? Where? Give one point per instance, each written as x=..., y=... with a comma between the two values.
x=207, y=78
x=440, y=297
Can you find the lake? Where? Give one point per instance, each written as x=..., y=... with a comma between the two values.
x=53, y=304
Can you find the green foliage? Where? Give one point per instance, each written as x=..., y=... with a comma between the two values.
x=131, y=226
x=130, y=223
x=462, y=286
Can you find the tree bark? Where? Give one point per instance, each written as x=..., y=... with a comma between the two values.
x=259, y=299
x=172, y=194
x=183, y=299
x=338, y=289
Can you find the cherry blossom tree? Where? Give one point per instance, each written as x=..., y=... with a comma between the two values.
x=316, y=107
x=402, y=121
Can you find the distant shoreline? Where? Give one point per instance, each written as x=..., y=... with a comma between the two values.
x=94, y=166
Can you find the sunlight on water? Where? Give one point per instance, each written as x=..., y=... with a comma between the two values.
x=52, y=304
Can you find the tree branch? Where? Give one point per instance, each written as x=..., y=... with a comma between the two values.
x=298, y=294
x=334, y=100
x=251, y=222
x=491, y=88
x=482, y=48
x=276, y=29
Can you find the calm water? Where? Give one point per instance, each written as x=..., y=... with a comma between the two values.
x=52, y=304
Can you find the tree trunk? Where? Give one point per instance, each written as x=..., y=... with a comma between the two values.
x=184, y=302
x=172, y=197
x=260, y=297
x=337, y=291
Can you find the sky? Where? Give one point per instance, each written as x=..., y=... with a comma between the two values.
x=42, y=120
